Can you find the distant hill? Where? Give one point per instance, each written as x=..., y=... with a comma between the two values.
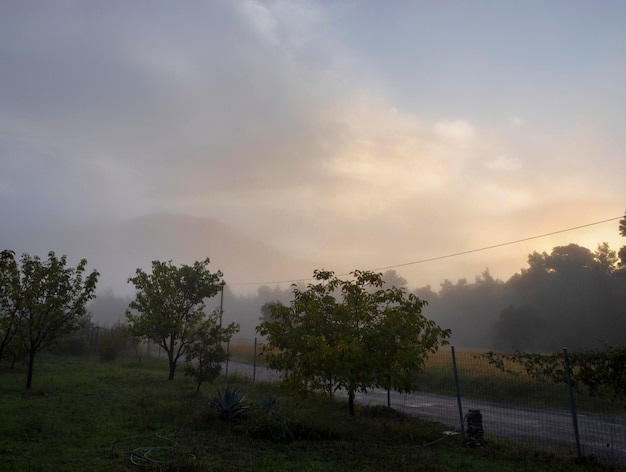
x=117, y=249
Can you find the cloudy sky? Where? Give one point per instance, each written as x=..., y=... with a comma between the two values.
x=355, y=133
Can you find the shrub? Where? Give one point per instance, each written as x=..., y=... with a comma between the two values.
x=72, y=345
x=112, y=342
x=230, y=404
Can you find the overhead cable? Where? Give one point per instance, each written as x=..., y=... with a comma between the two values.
x=447, y=256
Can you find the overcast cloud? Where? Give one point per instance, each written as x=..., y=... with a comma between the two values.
x=359, y=133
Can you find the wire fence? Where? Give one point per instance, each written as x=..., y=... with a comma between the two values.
x=466, y=392
x=520, y=407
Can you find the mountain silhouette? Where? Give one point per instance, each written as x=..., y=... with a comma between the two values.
x=117, y=249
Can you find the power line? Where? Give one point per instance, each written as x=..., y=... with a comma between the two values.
x=447, y=256
x=498, y=245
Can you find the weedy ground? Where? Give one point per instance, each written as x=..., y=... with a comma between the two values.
x=87, y=415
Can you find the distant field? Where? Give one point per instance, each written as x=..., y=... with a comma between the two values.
x=480, y=380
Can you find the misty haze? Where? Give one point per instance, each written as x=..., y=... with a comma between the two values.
x=329, y=191
x=536, y=308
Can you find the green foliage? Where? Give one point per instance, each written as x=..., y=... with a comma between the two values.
x=72, y=345
x=9, y=299
x=269, y=404
x=606, y=258
x=570, y=297
x=41, y=301
x=351, y=335
x=112, y=342
x=206, y=354
x=622, y=251
x=230, y=404
x=517, y=328
x=169, y=306
x=599, y=372
x=269, y=423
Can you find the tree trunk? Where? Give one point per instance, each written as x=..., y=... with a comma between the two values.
x=170, y=356
x=351, y=402
x=31, y=364
x=172, y=367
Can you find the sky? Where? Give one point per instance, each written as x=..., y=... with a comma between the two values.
x=355, y=134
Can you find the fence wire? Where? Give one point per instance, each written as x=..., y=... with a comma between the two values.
x=518, y=407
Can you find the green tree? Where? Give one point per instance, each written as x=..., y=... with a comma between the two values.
x=50, y=301
x=9, y=299
x=168, y=308
x=606, y=258
x=601, y=372
x=351, y=335
x=518, y=328
x=622, y=251
x=392, y=279
x=206, y=355
x=576, y=300
x=266, y=311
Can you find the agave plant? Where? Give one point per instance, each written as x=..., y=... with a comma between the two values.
x=270, y=405
x=230, y=404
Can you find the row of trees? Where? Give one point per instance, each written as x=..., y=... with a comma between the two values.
x=349, y=334
x=336, y=334
x=570, y=296
x=43, y=300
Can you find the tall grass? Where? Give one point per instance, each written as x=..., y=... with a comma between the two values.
x=482, y=381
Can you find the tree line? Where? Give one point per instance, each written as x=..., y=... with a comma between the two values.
x=569, y=297
x=335, y=334
x=43, y=300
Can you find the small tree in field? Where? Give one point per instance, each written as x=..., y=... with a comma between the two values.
x=350, y=334
x=205, y=356
x=48, y=300
x=169, y=306
x=9, y=299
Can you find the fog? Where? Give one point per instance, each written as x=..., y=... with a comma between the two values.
x=279, y=137
x=333, y=134
x=570, y=297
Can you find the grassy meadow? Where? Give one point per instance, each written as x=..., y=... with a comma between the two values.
x=86, y=415
x=480, y=380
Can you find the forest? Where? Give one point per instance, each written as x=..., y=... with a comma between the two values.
x=571, y=297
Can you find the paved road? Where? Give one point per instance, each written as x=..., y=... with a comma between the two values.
x=603, y=436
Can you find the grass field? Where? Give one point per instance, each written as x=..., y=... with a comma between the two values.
x=480, y=380
x=85, y=415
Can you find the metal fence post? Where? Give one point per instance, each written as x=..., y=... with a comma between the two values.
x=227, y=355
x=254, y=363
x=572, y=403
x=458, y=391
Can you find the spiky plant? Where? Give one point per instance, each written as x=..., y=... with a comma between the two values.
x=230, y=404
